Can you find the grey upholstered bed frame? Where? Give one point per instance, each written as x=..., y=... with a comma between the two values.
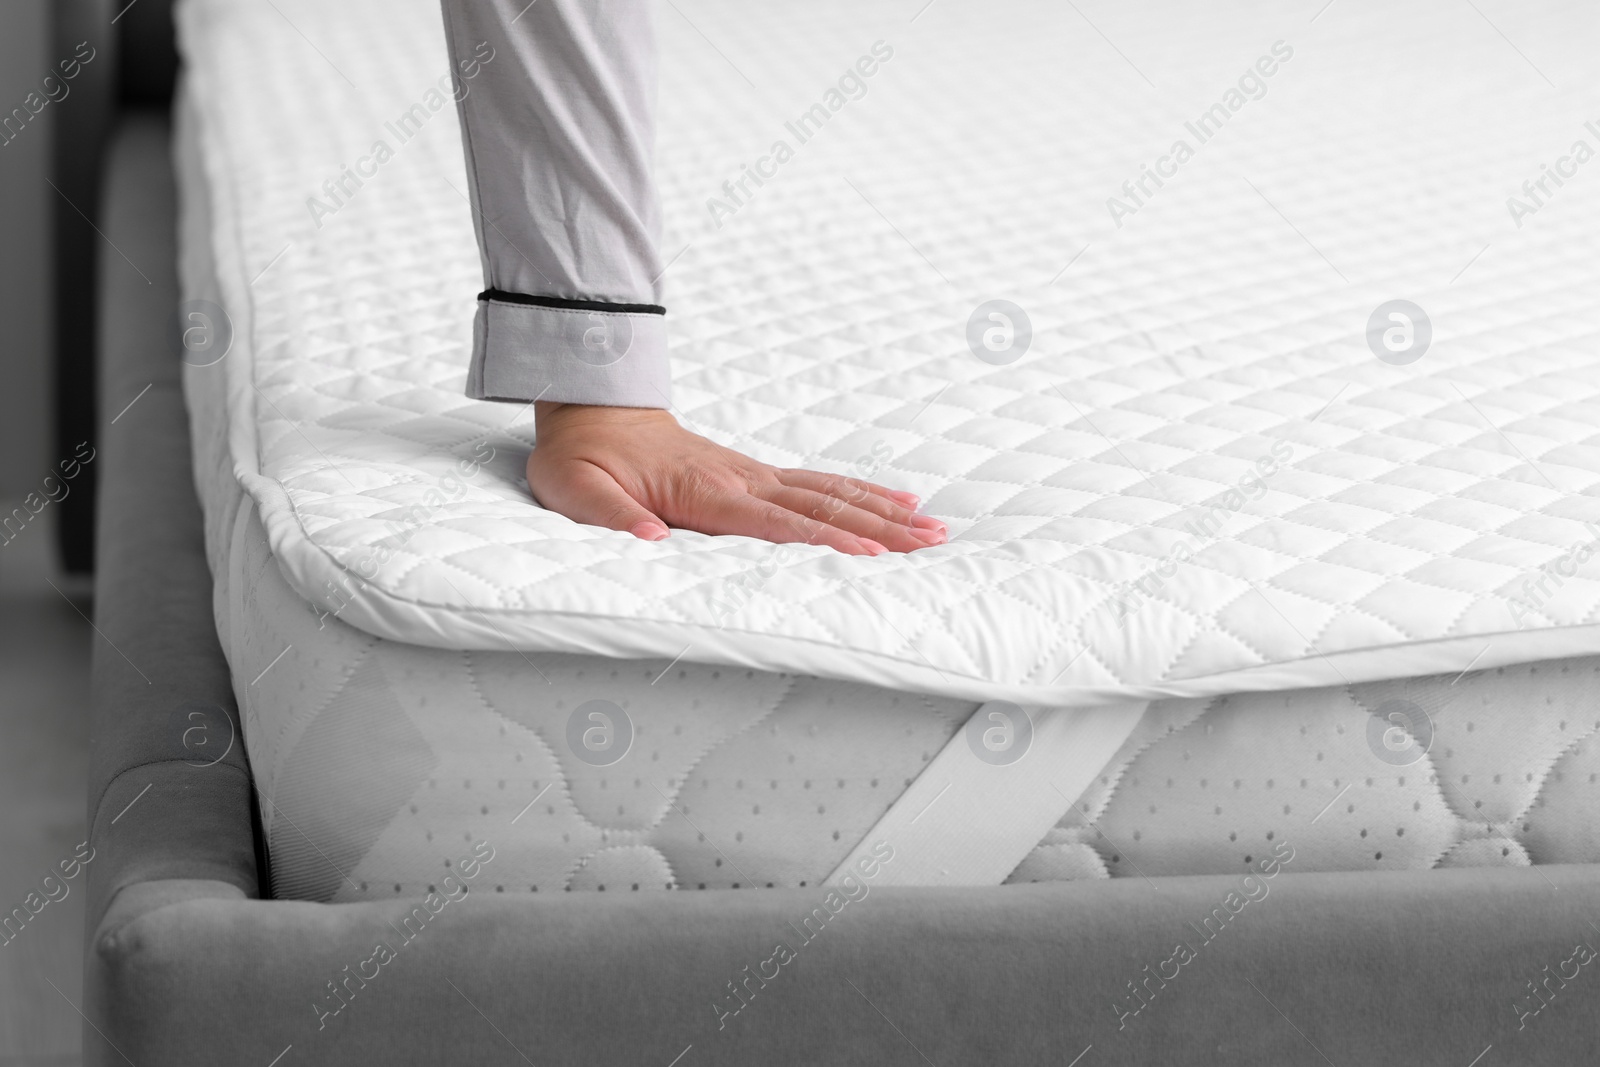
x=188, y=964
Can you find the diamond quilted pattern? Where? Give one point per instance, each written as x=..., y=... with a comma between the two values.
x=824, y=323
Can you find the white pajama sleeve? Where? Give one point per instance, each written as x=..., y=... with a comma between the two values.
x=557, y=107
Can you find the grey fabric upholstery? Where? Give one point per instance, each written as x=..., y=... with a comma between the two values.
x=159, y=675
x=185, y=969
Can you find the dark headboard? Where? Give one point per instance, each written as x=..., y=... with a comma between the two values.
x=135, y=66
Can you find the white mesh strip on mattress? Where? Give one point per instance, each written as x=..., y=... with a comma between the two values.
x=1201, y=364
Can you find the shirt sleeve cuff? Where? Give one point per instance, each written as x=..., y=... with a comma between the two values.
x=569, y=351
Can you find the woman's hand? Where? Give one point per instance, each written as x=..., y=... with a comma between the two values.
x=636, y=469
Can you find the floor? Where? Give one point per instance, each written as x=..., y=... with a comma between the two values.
x=44, y=698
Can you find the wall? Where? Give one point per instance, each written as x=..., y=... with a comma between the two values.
x=25, y=259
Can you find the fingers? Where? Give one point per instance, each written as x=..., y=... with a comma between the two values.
x=846, y=488
x=856, y=520
x=750, y=516
x=585, y=493
x=865, y=496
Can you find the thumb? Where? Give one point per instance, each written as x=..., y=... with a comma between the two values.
x=587, y=494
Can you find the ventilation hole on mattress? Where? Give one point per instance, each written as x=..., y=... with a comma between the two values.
x=447, y=863
x=1377, y=855
x=499, y=889
x=397, y=888
x=1363, y=833
x=807, y=784
x=1401, y=781
x=1152, y=809
x=429, y=834
x=1233, y=835
x=1269, y=835
x=1303, y=783
x=1505, y=852
x=719, y=863
x=771, y=886
x=1169, y=783
x=602, y=888
x=739, y=836
x=1136, y=835
x=1249, y=860
x=1202, y=783
x=484, y=809
x=1237, y=784
x=802, y=885
x=413, y=809
x=775, y=781
x=1269, y=783
x=836, y=835
x=431, y=889
x=822, y=809
x=1416, y=805
x=1399, y=831
x=875, y=783
x=466, y=783
x=1319, y=757
x=363, y=887
x=1286, y=809
x=1497, y=779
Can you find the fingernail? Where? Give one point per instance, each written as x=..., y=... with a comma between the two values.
x=649, y=531
x=872, y=546
x=930, y=537
x=910, y=500
x=928, y=522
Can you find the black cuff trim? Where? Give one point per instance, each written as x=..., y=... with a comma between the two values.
x=501, y=296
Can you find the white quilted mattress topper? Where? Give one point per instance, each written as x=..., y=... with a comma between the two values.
x=1198, y=357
